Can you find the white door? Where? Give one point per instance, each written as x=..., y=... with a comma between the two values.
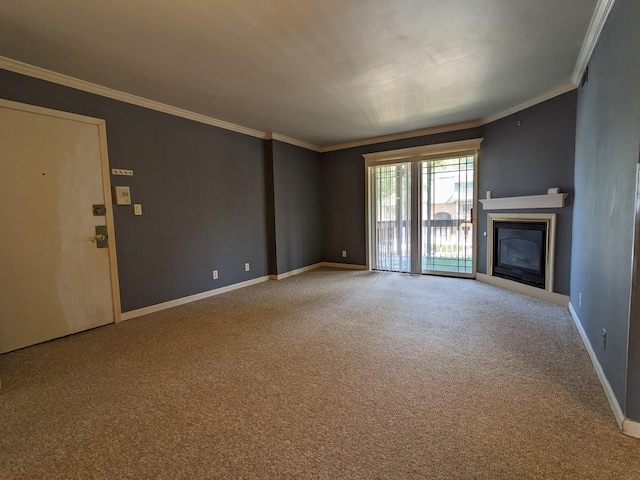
x=54, y=281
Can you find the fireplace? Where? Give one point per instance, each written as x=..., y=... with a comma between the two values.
x=520, y=248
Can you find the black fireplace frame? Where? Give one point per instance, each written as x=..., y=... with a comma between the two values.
x=534, y=277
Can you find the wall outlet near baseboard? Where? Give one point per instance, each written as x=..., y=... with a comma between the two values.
x=215, y=274
x=344, y=254
x=246, y=267
x=604, y=338
x=580, y=299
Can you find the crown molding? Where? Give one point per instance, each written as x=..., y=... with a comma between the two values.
x=567, y=87
x=603, y=8
x=401, y=136
x=292, y=141
x=67, y=81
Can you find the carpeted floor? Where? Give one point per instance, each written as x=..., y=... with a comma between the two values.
x=327, y=375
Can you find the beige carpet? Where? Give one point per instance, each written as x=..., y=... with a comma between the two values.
x=331, y=374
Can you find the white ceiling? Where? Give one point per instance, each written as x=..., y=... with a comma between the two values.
x=323, y=72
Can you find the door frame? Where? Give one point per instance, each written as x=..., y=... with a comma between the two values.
x=106, y=186
x=413, y=154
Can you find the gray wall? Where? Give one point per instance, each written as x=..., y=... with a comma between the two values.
x=525, y=154
x=297, y=207
x=607, y=139
x=202, y=189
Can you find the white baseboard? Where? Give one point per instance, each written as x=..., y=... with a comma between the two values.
x=297, y=271
x=627, y=426
x=348, y=266
x=551, y=297
x=191, y=298
x=631, y=428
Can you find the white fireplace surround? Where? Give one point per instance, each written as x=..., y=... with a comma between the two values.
x=548, y=218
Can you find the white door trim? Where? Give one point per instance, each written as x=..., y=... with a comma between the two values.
x=106, y=185
x=437, y=149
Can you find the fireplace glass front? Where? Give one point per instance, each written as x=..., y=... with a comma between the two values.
x=520, y=251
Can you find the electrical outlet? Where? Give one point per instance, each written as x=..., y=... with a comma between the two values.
x=246, y=267
x=344, y=254
x=215, y=274
x=604, y=338
x=580, y=299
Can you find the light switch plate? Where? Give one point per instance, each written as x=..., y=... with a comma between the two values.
x=122, y=195
x=137, y=209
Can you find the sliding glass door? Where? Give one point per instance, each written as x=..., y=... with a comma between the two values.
x=421, y=215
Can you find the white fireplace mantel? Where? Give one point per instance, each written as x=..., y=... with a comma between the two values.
x=552, y=200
